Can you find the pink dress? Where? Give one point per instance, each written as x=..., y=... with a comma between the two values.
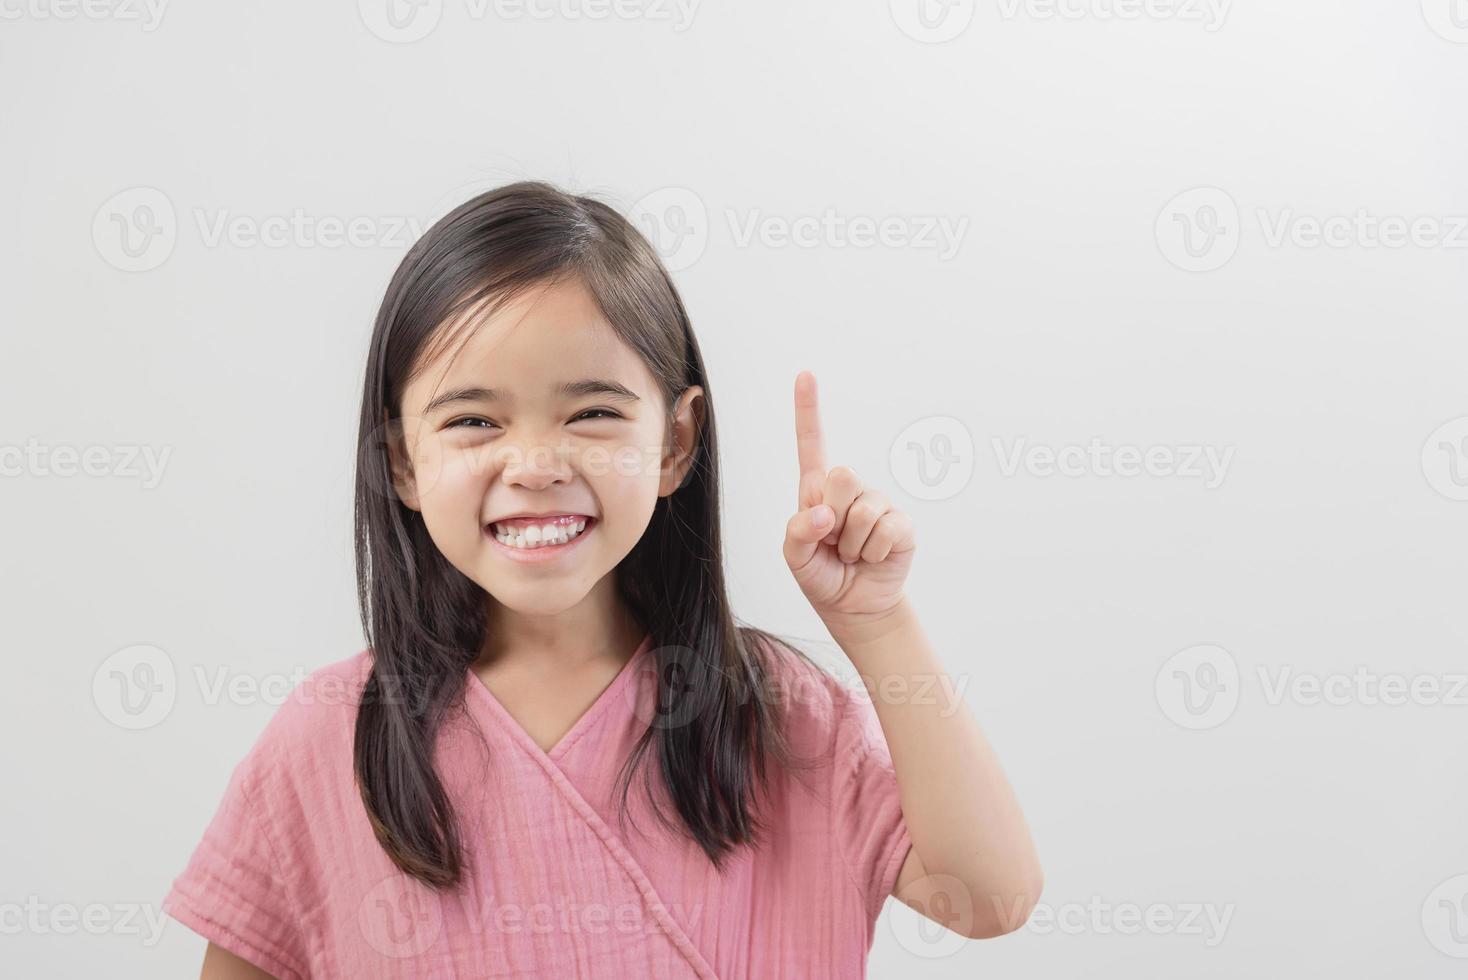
x=289, y=876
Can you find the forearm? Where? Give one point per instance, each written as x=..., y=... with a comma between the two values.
x=960, y=810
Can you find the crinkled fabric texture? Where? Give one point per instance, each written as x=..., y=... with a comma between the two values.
x=289, y=876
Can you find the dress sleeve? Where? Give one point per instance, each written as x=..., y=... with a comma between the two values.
x=231, y=891
x=867, y=810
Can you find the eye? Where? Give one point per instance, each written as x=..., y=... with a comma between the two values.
x=459, y=423
x=602, y=412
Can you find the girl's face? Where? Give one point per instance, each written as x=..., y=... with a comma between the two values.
x=544, y=427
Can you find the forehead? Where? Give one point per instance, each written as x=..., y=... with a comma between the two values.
x=547, y=334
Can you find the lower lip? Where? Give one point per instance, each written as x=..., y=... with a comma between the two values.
x=550, y=552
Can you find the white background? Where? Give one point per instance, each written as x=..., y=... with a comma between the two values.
x=1085, y=300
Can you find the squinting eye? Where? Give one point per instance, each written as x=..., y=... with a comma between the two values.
x=595, y=411
x=459, y=423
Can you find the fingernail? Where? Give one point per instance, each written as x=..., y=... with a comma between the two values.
x=823, y=516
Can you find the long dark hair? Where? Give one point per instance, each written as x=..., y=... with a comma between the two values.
x=426, y=621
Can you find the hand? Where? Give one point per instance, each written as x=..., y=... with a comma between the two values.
x=849, y=549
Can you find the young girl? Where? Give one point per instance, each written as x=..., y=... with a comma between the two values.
x=540, y=570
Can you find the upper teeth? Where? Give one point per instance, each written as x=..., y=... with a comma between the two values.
x=538, y=535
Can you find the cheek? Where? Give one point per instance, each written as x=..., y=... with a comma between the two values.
x=450, y=483
x=627, y=490
x=623, y=498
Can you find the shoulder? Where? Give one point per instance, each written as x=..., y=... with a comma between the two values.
x=252, y=882
x=311, y=731
x=817, y=707
x=322, y=700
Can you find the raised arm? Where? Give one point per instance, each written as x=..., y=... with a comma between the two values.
x=973, y=866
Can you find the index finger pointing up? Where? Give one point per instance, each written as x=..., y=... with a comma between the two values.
x=810, y=446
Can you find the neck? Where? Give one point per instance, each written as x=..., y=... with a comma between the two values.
x=598, y=627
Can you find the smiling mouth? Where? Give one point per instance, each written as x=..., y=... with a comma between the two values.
x=540, y=533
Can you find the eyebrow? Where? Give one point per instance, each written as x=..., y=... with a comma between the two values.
x=570, y=389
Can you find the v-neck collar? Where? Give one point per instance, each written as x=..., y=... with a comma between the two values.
x=481, y=694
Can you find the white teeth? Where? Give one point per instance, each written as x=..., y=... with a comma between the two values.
x=538, y=535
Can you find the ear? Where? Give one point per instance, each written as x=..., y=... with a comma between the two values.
x=399, y=463
x=687, y=430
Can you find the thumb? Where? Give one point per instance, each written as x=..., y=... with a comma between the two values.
x=803, y=534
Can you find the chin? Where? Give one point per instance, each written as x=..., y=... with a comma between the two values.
x=532, y=600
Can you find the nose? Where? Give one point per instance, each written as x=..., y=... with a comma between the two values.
x=534, y=465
